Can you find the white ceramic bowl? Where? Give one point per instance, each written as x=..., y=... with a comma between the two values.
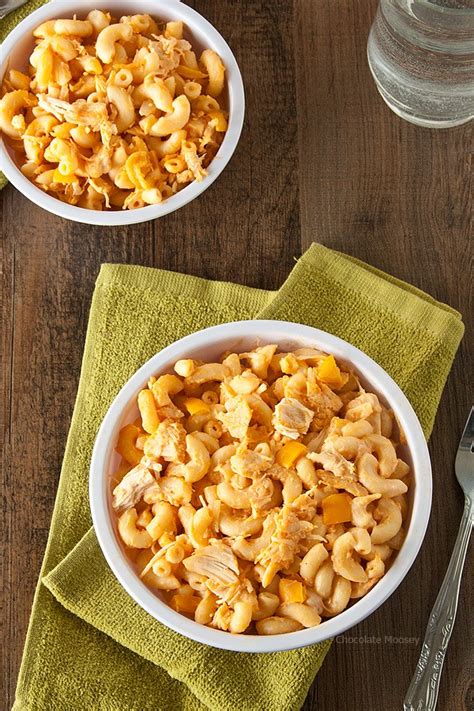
x=18, y=46
x=239, y=337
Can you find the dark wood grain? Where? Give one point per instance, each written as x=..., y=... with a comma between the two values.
x=321, y=158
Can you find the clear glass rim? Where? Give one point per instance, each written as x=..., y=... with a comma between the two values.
x=445, y=9
x=456, y=38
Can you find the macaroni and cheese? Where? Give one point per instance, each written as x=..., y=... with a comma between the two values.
x=261, y=493
x=114, y=113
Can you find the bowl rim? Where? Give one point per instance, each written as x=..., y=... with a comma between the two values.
x=202, y=28
x=372, y=372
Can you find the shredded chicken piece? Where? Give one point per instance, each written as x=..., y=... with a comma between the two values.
x=151, y=463
x=337, y=472
x=240, y=591
x=80, y=49
x=168, y=442
x=342, y=482
x=193, y=161
x=169, y=51
x=102, y=188
x=249, y=463
x=99, y=163
x=284, y=545
x=208, y=136
x=237, y=418
x=322, y=400
x=306, y=504
x=260, y=359
x=132, y=487
x=184, y=177
x=108, y=130
x=217, y=562
x=292, y=418
x=222, y=617
x=314, y=395
x=73, y=191
x=278, y=472
x=261, y=412
x=311, y=356
x=316, y=441
x=82, y=113
x=334, y=462
x=256, y=434
x=295, y=386
x=79, y=112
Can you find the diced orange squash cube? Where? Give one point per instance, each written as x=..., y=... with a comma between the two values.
x=185, y=603
x=64, y=179
x=194, y=405
x=291, y=591
x=289, y=453
x=337, y=508
x=126, y=444
x=328, y=372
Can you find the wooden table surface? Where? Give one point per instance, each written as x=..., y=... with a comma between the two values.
x=321, y=158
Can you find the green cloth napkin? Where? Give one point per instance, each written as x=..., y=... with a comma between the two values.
x=13, y=18
x=89, y=646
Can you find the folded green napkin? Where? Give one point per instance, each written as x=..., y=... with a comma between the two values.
x=89, y=645
x=13, y=18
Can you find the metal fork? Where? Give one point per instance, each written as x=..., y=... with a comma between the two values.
x=7, y=6
x=423, y=691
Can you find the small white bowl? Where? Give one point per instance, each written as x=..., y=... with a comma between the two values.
x=19, y=44
x=207, y=345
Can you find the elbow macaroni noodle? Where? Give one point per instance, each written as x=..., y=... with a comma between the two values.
x=261, y=493
x=109, y=89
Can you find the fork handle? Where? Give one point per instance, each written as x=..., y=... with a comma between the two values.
x=423, y=691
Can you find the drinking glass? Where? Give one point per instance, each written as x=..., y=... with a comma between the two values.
x=421, y=55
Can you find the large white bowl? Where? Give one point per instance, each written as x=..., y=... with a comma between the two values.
x=208, y=345
x=18, y=46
